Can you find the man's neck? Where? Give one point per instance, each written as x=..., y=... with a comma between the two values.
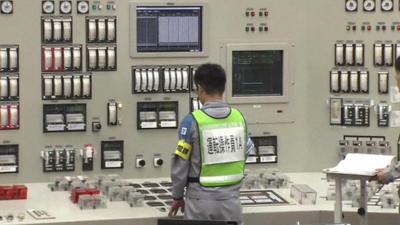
x=212, y=98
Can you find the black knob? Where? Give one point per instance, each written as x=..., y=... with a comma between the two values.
x=142, y=162
x=361, y=211
x=159, y=162
x=98, y=126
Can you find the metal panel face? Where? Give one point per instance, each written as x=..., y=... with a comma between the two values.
x=44, y=60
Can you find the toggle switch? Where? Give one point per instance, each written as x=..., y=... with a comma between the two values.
x=101, y=33
x=3, y=87
x=87, y=154
x=67, y=86
x=111, y=58
x=92, y=30
x=111, y=31
x=112, y=113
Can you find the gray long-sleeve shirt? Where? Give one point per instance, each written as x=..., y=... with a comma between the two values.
x=395, y=173
x=181, y=169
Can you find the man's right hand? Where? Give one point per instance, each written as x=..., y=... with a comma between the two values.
x=175, y=206
x=383, y=176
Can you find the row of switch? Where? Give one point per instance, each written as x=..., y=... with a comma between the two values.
x=9, y=58
x=67, y=87
x=349, y=113
x=102, y=29
x=60, y=59
x=369, y=147
x=102, y=58
x=9, y=116
x=175, y=79
x=378, y=27
x=349, y=81
x=383, y=53
x=58, y=159
x=349, y=54
x=56, y=29
x=9, y=88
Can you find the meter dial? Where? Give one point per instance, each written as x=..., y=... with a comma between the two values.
x=351, y=5
x=65, y=7
x=48, y=7
x=387, y=5
x=83, y=7
x=369, y=5
x=7, y=7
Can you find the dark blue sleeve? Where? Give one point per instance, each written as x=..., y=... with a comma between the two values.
x=185, y=129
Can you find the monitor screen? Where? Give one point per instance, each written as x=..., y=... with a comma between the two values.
x=257, y=73
x=169, y=29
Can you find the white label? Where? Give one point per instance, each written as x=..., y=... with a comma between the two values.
x=55, y=127
x=76, y=126
x=113, y=164
x=146, y=125
x=251, y=159
x=268, y=158
x=5, y=169
x=168, y=124
x=223, y=145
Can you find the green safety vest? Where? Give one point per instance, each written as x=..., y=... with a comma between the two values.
x=223, y=148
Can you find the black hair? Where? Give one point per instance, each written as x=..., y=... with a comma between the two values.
x=211, y=77
x=397, y=64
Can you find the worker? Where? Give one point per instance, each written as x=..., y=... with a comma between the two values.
x=387, y=175
x=209, y=160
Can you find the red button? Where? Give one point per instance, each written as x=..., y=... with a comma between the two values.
x=398, y=27
x=265, y=28
x=354, y=28
x=369, y=28
x=253, y=13
x=266, y=13
x=383, y=27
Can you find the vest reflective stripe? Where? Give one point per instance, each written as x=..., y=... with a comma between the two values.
x=229, y=178
x=223, y=146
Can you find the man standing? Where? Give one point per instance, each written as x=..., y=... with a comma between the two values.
x=210, y=157
x=386, y=175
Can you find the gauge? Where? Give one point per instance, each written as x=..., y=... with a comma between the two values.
x=48, y=7
x=7, y=7
x=65, y=7
x=351, y=5
x=387, y=5
x=83, y=7
x=369, y=5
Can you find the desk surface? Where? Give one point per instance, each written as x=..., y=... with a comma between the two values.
x=58, y=204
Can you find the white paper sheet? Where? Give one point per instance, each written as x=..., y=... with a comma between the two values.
x=362, y=164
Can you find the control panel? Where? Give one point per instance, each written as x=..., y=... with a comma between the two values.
x=112, y=80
